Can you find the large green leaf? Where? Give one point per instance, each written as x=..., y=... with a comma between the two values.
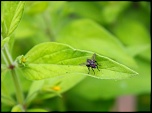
x=54, y=59
x=11, y=15
x=88, y=35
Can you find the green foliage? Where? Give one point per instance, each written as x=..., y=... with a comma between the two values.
x=144, y=101
x=11, y=16
x=36, y=110
x=36, y=7
x=52, y=87
x=17, y=108
x=4, y=41
x=5, y=95
x=99, y=11
x=136, y=31
x=87, y=104
x=44, y=57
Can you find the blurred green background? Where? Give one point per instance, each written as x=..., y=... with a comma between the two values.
x=118, y=30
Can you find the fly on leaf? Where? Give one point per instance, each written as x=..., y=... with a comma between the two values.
x=92, y=63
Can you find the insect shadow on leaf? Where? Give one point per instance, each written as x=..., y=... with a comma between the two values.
x=92, y=63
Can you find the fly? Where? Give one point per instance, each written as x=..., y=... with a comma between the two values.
x=92, y=63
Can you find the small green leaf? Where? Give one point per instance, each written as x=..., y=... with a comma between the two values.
x=33, y=91
x=56, y=86
x=52, y=59
x=6, y=97
x=11, y=42
x=11, y=15
x=52, y=87
x=17, y=108
x=3, y=28
x=4, y=41
x=4, y=70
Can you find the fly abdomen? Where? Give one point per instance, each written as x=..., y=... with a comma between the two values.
x=93, y=65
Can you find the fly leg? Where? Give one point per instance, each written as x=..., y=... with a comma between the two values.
x=93, y=71
x=97, y=65
x=98, y=68
x=89, y=70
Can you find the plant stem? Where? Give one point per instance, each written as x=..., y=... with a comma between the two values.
x=19, y=94
x=5, y=60
x=8, y=58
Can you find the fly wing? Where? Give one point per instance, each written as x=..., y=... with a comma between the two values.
x=94, y=57
x=89, y=60
x=86, y=63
